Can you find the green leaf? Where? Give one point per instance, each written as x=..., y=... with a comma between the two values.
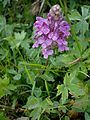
x=73, y=76
x=82, y=26
x=86, y=54
x=17, y=77
x=16, y=42
x=64, y=91
x=64, y=95
x=87, y=116
x=72, y=4
x=37, y=92
x=8, y=29
x=20, y=36
x=5, y=87
x=3, y=117
x=2, y=23
x=49, y=101
x=35, y=114
x=3, y=53
x=5, y=2
x=66, y=80
x=82, y=104
x=66, y=58
x=11, y=87
x=47, y=104
x=62, y=108
x=12, y=71
x=33, y=103
x=75, y=15
x=85, y=12
x=34, y=53
x=60, y=89
x=67, y=118
x=25, y=44
x=47, y=77
x=76, y=90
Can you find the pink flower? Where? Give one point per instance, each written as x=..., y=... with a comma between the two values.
x=51, y=32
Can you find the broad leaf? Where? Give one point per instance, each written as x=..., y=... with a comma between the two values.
x=76, y=90
x=33, y=103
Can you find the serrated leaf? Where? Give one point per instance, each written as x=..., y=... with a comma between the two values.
x=73, y=76
x=85, y=12
x=25, y=45
x=82, y=26
x=20, y=36
x=47, y=105
x=75, y=15
x=16, y=42
x=57, y=62
x=76, y=90
x=47, y=77
x=33, y=53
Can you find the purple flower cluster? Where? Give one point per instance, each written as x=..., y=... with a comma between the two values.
x=51, y=32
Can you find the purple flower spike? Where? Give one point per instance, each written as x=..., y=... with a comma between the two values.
x=51, y=32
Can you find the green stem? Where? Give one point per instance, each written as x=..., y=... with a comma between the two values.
x=29, y=76
x=46, y=85
x=76, y=39
x=66, y=11
x=61, y=4
x=33, y=88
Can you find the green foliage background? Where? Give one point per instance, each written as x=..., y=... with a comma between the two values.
x=57, y=88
